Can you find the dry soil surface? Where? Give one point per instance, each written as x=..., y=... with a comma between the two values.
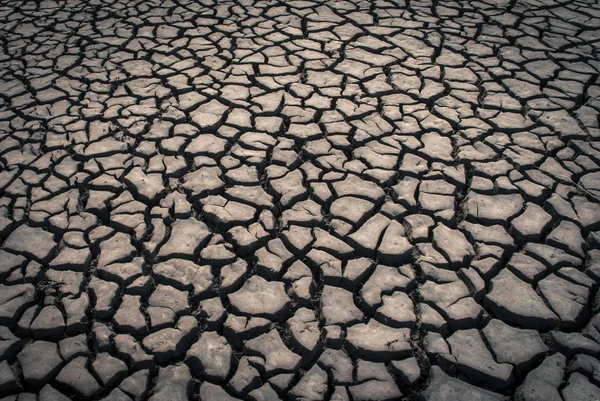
x=299, y=200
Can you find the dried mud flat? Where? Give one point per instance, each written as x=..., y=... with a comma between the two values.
x=299, y=200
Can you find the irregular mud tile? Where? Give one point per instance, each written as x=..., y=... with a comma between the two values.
x=136, y=385
x=202, y=182
x=428, y=254
x=351, y=209
x=129, y=318
x=304, y=330
x=165, y=296
x=50, y=393
x=40, y=362
x=376, y=383
x=187, y=236
x=575, y=276
x=452, y=244
x=407, y=370
x=289, y=188
x=330, y=267
x=579, y=388
x=393, y=210
x=492, y=209
x=104, y=148
x=141, y=286
x=277, y=357
x=206, y=145
x=77, y=378
x=307, y=213
x=573, y=343
x=170, y=343
x=397, y=311
x=386, y=279
x=210, y=391
x=10, y=262
x=105, y=297
x=552, y=257
x=588, y=213
x=72, y=347
x=312, y=386
x=436, y=147
x=117, y=395
x=568, y=300
x=355, y=186
x=116, y=249
x=269, y=264
x=32, y=242
x=76, y=312
x=49, y=324
x=462, y=314
x=264, y=393
x=261, y=298
x=337, y=306
x=146, y=186
x=395, y=247
x=239, y=328
x=298, y=239
x=174, y=383
x=586, y=365
x=376, y=342
x=531, y=224
x=473, y=359
x=405, y=191
x=243, y=175
x=102, y=336
x=493, y=235
x=567, y=236
x=447, y=388
x=443, y=294
x=356, y=270
x=231, y=276
x=185, y=275
x=333, y=336
x=247, y=240
x=419, y=227
x=543, y=382
x=366, y=239
x=129, y=350
x=24, y=324
x=300, y=283
x=330, y=244
x=281, y=382
x=123, y=273
x=109, y=369
x=72, y=259
x=217, y=255
x=338, y=364
x=246, y=377
x=526, y=267
x=14, y=300
x=515, y=301
x=518, y=347
x=211, y=356
x=8, y=380
x=224, y=214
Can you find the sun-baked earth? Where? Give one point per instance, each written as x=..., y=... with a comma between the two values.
x=299, y=200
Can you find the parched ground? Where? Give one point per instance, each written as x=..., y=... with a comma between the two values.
x=299, y=200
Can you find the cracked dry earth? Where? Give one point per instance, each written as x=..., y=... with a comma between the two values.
x=301, y=200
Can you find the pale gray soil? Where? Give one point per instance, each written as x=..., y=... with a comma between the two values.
x=299, y=200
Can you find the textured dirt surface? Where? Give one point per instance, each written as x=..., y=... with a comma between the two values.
x=299, y=200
